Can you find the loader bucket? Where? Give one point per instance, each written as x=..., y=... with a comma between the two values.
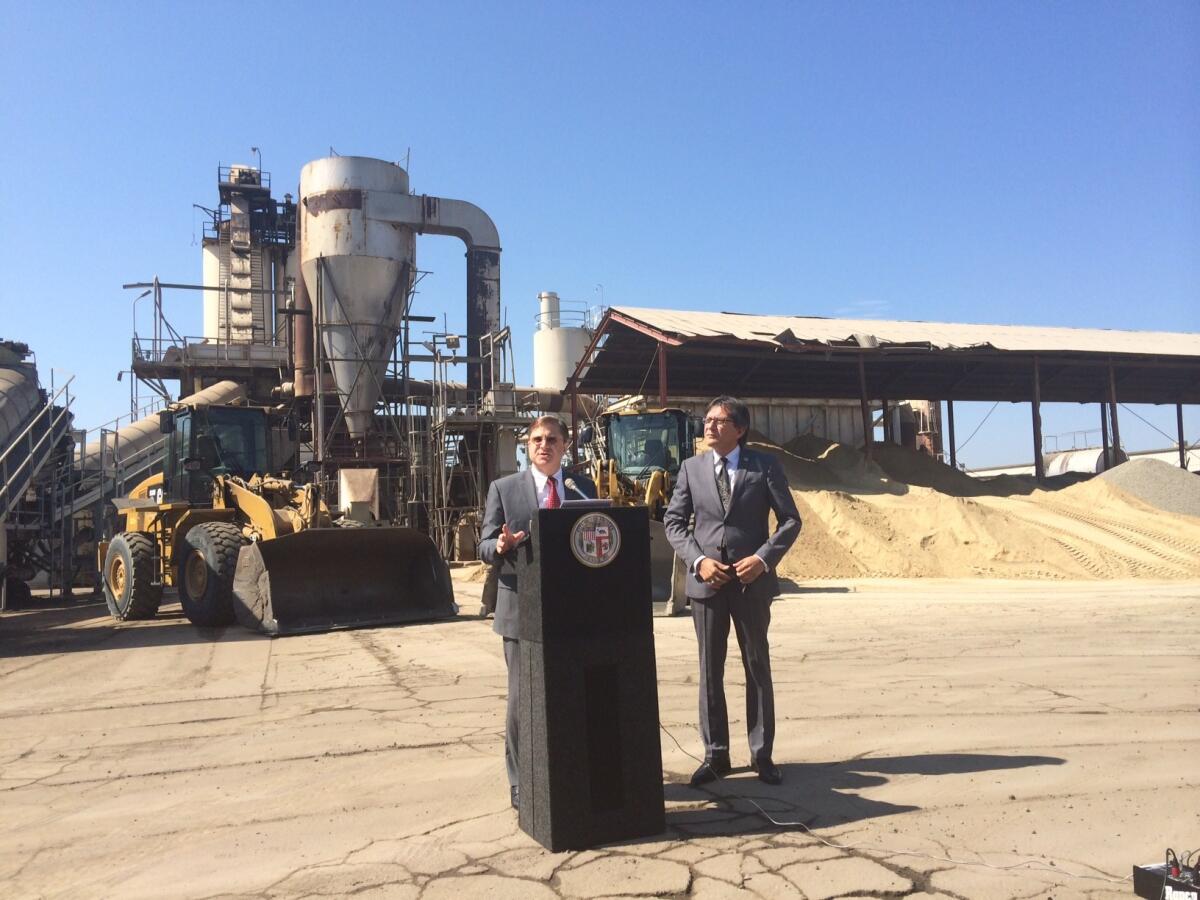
x=326, y=578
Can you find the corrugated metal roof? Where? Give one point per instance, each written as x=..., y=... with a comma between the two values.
x=785, y=330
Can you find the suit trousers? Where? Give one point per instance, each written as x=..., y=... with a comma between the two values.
x=750, y=611
x=512, y=660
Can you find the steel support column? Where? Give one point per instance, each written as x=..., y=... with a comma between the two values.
x=1112, y=401
x=868, y=435
x=1104, y=436
x=662, y=374
x=950, y=433
x=1039, y=465
x=886, y=417
x=574, y=388
x=1182, y=443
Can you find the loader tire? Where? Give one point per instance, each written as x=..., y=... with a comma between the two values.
x=17, y=594
x=128, y=577
x=210, y=557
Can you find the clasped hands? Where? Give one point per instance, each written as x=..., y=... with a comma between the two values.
x=508, y=539
x=745, y=570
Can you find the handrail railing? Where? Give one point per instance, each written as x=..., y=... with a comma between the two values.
x=155, y=349
x=55, y=417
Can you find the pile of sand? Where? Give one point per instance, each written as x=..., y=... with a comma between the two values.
x=904, y=514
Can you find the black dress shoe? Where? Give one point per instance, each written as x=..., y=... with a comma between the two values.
x=710, y=770
x=767, y=771
x=516, y=799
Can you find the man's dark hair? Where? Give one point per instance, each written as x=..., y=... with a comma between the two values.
x=551, y=421
x=736, y=410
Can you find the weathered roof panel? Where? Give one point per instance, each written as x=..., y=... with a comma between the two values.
x=791, y=330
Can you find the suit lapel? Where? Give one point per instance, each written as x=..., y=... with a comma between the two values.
x=745, y=462
x=531, y=493
x=709, y=461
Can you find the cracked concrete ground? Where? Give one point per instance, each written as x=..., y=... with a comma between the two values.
x=967, y=739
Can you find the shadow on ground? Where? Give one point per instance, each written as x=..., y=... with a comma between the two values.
x=67, y=627
x=812, y=794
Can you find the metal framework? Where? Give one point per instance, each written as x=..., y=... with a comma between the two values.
x=1053, y=365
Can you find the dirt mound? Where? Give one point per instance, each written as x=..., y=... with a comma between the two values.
x=907, y=515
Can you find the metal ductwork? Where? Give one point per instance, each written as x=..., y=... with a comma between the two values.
x=471, y=225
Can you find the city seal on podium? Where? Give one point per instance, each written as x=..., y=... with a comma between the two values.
x=595, y=540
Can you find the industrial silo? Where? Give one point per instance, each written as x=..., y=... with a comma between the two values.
x=358, y=271
x=558, y=343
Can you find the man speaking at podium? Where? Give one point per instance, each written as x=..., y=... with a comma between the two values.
x=732, y=559
x=511, y=504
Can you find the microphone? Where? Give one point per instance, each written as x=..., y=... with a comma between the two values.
x=571, y=486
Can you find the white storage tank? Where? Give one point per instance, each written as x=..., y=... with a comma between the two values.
x=368, y=270
x=140, y=436
x=20, y=396
x=212, y=295
x=558, y=343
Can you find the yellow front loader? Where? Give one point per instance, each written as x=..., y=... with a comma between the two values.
x=260, y=550
x=635, y=457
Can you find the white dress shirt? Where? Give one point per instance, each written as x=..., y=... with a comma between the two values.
x=731, y=463
x=540, y=481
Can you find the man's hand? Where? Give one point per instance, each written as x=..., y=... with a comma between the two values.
x=507, y=540
x=712, y=572
x=749, y=569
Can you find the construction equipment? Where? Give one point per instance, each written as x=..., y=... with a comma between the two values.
x=635, y=452
x=259, y=549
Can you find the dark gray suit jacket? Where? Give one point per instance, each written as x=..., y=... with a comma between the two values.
x=759, y=487
x=513, y=499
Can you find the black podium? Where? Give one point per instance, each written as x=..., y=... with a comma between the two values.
x=590, y=758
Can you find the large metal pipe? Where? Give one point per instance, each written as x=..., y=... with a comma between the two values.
x=302, y=329
x=471, y=225
x=141, y=436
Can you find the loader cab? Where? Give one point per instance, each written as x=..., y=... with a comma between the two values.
x=205, y=441
x=646, y=442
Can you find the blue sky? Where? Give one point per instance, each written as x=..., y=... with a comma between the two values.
x=976, y=162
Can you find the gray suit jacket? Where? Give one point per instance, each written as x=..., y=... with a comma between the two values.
x=513, y=500
x=729, y=535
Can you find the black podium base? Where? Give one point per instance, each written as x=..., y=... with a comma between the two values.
x=591, y=770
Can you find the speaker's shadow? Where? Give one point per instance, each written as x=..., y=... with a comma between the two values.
x=815, y=795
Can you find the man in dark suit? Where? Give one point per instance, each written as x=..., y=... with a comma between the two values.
x=511, y=504
x=731, y=560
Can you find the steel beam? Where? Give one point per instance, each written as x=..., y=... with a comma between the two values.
x=950, y=433
x=868, y=435
x=1039, y=465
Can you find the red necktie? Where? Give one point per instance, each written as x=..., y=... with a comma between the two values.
x=552, y=493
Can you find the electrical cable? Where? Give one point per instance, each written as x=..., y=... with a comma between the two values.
x=1173, y=440
x=977, y=427
x=892, y=851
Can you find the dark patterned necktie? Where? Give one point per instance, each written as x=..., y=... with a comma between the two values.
x=552, y=493
x=723, y=482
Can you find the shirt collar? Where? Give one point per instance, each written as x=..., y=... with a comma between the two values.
x=732, y=459
x=539, y=480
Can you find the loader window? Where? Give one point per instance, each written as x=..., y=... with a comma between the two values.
x=644, y=443
x=240, y=440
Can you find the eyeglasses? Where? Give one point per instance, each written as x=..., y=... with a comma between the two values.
x=717, y=422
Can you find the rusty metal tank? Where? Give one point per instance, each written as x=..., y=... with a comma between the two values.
x=358, y=271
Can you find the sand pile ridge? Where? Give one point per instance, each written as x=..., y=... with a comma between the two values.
x=904, y=514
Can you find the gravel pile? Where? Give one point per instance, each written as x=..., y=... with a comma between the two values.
x=1158, y=483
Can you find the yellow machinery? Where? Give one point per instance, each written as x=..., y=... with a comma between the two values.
x=261, y=550
x=634, y=459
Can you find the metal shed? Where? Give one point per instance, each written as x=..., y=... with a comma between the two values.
x=705, y=354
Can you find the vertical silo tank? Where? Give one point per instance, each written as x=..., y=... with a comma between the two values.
x=368, y=267
x=559, y=342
